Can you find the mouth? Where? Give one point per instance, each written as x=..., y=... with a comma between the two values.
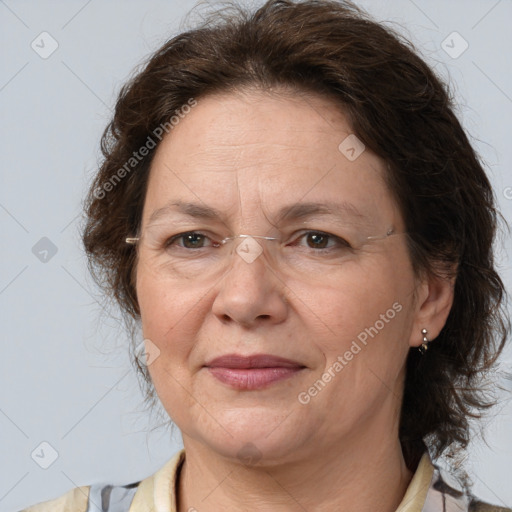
x=252, y=372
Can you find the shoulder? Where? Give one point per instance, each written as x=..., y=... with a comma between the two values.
x=90, y=497
x=74, y=500
x=447, y=492
x=480, y=506
x=142, y=495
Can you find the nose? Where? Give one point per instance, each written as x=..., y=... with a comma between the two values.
x=251, y=293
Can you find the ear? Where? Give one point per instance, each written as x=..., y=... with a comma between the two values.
x=434, y=300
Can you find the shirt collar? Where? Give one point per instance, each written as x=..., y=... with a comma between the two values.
x=430, y=490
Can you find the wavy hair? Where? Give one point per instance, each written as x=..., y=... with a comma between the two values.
x=400, y=109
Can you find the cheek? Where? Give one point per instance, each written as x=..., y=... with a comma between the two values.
x=365, y=317
x=170, y=311
x=170, y=316
x=361, y=337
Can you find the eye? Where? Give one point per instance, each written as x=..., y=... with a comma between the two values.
x=190, y=240
x=321, y=240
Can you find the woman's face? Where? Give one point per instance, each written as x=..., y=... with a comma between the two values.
x=345, y=318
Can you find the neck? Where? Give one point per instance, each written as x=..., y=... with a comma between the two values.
x=364, y=474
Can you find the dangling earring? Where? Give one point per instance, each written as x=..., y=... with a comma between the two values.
x=424, y=346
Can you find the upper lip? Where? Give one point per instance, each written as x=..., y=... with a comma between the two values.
x=252, y=361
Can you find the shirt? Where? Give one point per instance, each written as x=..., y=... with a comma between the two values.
x=430, y=490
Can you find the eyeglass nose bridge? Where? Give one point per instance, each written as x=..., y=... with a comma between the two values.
x=249, y=250
x=229, y=238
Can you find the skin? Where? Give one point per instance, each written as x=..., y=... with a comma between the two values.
x=247, y=154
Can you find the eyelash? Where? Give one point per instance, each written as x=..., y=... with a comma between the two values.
x=339, y=241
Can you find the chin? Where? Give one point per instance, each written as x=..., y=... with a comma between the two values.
x=258, y=451
x=255, y=437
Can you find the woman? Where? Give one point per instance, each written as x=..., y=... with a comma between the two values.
x=291, y=210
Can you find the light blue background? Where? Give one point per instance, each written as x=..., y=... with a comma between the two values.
x=66, y=378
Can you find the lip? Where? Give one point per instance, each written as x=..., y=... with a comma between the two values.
x=252, y=372
x=252, y=361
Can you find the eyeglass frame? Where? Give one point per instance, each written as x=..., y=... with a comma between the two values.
x=390, y=232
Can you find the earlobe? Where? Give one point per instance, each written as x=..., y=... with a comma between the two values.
x=434, y=302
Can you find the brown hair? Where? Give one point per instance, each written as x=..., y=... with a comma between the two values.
x=400, y=110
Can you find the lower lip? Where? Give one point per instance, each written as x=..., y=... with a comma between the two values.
x=252, y=378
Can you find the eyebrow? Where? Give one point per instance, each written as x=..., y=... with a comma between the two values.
x=289, y=212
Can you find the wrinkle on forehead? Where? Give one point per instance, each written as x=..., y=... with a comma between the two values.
x=249, y=153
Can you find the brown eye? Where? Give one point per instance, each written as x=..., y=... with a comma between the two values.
x=322, y=241
x=317, y=240
x=190, y=240
x=193, y=240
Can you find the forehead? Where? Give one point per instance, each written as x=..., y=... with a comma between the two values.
x=233, y=151
x=245, y=122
